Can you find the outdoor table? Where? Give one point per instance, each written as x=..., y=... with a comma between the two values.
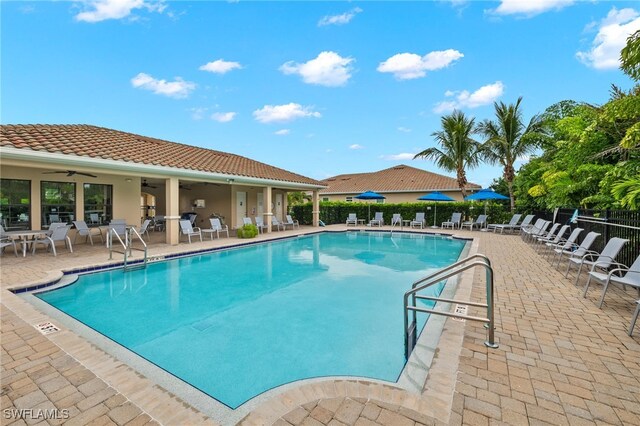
x=405, y=222
x=25, y=237
x=361, y=222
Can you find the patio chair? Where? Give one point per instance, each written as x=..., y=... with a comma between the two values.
x=94, y=218
x=602, y=261
x=418, y=221
x=84, y=231
x=158, y=223
x=144, y=228
x=577, y=250
x=553, y=239
x=246, y=221
x=61, y=233
x=631, y=277
x=378, y=220
x=54, y=218
x=548, y=235
x=275, y=222
x=119, y=227
x=260, y=224
x=525, y=223
x=634, y=318
x=217, y=225
x=481, y=222
x=6, y=242
x=290, y=222
x=456, y=219
x=531, y=233
x=396, y=220
x=511, y=225
x=187, y=229
x=53, y=226
x=563, y=244
x=352, y=219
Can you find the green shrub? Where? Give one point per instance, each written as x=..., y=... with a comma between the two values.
x=247, y=231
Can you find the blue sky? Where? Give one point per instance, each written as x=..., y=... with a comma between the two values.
x=318, y=88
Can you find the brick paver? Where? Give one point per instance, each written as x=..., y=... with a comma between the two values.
x=561, y=360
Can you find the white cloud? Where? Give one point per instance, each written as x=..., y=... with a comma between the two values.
x=198, y=113
x=529, y=8
x=220, y=66
x=398, y=157
x=356, y=146
x=342, y=19
x=406, y=66
x=283, y=113
x=102, y=10
x=404, y=129
x=611, y=38
x=282, y=132
x=173, y=89
x=223, y=117
x=483, y=96
x=327, y=69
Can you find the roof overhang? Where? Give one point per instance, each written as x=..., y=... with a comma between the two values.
x=124, y=167
x=404, y=191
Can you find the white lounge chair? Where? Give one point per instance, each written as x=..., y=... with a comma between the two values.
x=553, y=239
x=547, y=235
x=378, y=220
x=260, y=224
x=188, y=230
x=531, y=233
x=564, y=244
x=634, y=318
x=61, y=233
x=84, y=231
x=456, y=220
x=418, y=221
x=396, y=220
x=218, y=227
x=511, y=225
x=577, y=250
x=352, y=219
x=275, y=222
x=631, y=277
x=290, y=222
x=480, y=222
x=602, y=260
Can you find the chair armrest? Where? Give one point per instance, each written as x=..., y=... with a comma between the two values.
x=196, y=229
x=595, y=264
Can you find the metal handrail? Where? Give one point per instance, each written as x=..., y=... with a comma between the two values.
x=434, y=278
x=127, y=245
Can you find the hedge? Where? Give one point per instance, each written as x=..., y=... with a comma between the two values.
x=333, y=212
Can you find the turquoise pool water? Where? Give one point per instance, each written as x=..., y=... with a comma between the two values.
x=235, y=323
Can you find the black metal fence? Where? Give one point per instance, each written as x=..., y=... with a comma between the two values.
x=608, y=223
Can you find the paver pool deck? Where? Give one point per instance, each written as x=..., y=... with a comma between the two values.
x=561, y=359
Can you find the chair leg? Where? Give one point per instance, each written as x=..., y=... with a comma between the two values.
x=586, y=286
x=605, y=286
x=578, y=274
x=70, y=247
x=634, y=319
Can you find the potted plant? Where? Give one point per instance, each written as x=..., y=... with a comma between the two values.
x=247, y=231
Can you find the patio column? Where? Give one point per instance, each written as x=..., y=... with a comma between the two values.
x=267, y=207
x=173, y=211
x=79, y=201
x=316, y=208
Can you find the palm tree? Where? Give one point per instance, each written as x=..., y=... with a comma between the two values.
x=458, y=150
x=507, y=139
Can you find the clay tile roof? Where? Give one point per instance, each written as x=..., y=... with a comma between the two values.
x=99, y=142
x=395, y=179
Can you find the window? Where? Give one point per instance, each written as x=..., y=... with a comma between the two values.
x=98, y=204
x=15, y=203
x=349, y=199
x=380, y=201
x=58, y=200
x=325, y=198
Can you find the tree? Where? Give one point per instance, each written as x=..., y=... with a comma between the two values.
x=507, y=139
x=458, y=151
x=630, y=56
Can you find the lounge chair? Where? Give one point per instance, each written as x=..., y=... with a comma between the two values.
x=538, y=230
x=218, y=227
x=275, y=222
x=290, y=222
x=84, y=231
x=260, y=224
x=631, y=277
x=378, y=220
x=144, y=228
x=352, y=219
x=577, y=250
x=511, y=225
x=634, y=318
x=396, y=220
x=61, y=233
x=553, y=239
x=418, y=221
x=119, y=227
x=547, y=235
x=246, y=221
x=53, y=226
x=481, y=222
x=562, y=244
x=596, y=260
x=456, y=219
x=188, y=230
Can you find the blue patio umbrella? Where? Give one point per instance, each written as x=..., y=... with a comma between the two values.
x=370, y=195
x=435, y=196
x=485, y=195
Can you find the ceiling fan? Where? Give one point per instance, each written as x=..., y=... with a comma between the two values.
x=146, y=185
x=70, y=173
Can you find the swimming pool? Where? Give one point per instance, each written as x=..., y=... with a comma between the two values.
x=235, y=323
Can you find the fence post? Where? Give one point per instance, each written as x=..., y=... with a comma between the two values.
x=606, y=226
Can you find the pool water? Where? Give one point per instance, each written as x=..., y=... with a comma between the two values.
x=235, y=323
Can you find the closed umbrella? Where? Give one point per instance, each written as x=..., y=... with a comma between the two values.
x=435, y=196
x=484, y=195
x=370, y=195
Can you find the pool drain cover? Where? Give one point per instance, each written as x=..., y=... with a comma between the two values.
x=47, y=328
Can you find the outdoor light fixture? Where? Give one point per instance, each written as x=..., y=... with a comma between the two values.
x=128, y=180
